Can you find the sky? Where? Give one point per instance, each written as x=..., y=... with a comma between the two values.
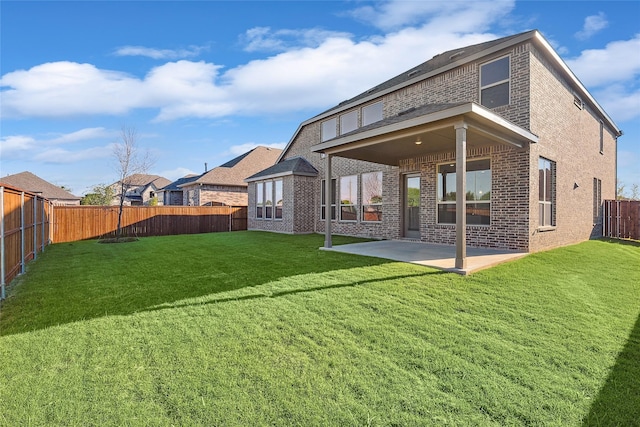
x=205, y=81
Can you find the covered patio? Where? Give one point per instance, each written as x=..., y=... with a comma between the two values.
x=432, y=128
x=441, y=257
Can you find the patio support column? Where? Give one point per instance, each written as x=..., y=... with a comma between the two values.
x=461, y=195
x=327, y=200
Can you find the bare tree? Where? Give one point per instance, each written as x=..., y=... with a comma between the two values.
x=128, y=162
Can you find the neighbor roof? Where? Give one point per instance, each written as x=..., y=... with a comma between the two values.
x=139, y=179
x=292, y=166
x=34, y=184
x=180, y=181
x=234, y=172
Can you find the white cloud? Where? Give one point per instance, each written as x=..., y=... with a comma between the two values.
x=621, y=103
x=264, y=39
x=48, y=149
x=617, y=62
x=150, y=52
x=451, y=16
x=592, y=24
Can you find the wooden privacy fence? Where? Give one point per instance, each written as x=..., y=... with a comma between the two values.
x=622, y=219
x=72, y=223
x=24, y=230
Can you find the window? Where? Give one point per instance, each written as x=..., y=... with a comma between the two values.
x=372, y=196
x=494, y=83
x=268, y=199
x=348, y=122
x=278, y=198
x=478, y=197
x=597, y=199
x=348, y=198
x=266, y=193
x=324, y=200
x=329, y=129
x=259, y=199
x=546, y=191
x=371, y=113
x=601, y=138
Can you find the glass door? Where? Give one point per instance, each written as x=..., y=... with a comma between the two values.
x=412, y=206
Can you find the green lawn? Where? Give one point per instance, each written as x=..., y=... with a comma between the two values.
x=251, y=328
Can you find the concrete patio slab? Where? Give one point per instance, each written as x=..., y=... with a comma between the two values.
x=431, y=255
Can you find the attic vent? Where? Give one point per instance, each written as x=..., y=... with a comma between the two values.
x=371, y=90
x=414, y=72
x=455, y=55
x=578, y=102
x=344, y=102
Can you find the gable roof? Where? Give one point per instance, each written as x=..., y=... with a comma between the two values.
x=234, y=172
x=292, y=166
x=455, y=58
x=143, y=180
x=34, y=184
x=180, y=181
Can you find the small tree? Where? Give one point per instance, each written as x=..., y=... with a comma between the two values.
x=635, y=192
x=128, y=162
x=102, y=195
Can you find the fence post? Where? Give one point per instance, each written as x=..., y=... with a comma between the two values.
x=34, y=201
x=43, y=232
x=2, y=255
x=22, y=234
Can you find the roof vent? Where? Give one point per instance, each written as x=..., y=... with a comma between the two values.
x=414, y=72
x=455, y=55
x=407, y=111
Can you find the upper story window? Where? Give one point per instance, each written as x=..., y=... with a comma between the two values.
x=371, y=113
x=494, y=83
x=329, y=129
x=348, y=122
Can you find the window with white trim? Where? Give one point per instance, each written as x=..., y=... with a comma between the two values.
x=268, y=199
x=372, y=196
x=546, y=191
x=329, y=129
x=349, y=198
x=277, y=188
x=259, y=199
x=323, y=203
x=348, y=122
x=494, y=83
x=478, y=197
x=372, y=113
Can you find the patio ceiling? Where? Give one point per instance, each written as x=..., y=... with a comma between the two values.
x=394, y=139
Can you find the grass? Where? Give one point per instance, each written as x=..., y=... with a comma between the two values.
x=254, y=328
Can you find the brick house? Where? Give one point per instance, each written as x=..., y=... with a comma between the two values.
x=225, y=185
x=505, y=122
x=140, y=189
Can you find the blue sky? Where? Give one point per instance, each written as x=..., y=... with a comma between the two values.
x=205, y=81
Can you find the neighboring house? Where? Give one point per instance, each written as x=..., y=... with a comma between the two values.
x=140, y=189
x=172, y=194
x=225, y=185
x=505, y=122
x=29, y=182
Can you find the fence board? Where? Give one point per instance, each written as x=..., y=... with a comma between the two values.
x=24, y=232
x=622, y=219
x=72, y=223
